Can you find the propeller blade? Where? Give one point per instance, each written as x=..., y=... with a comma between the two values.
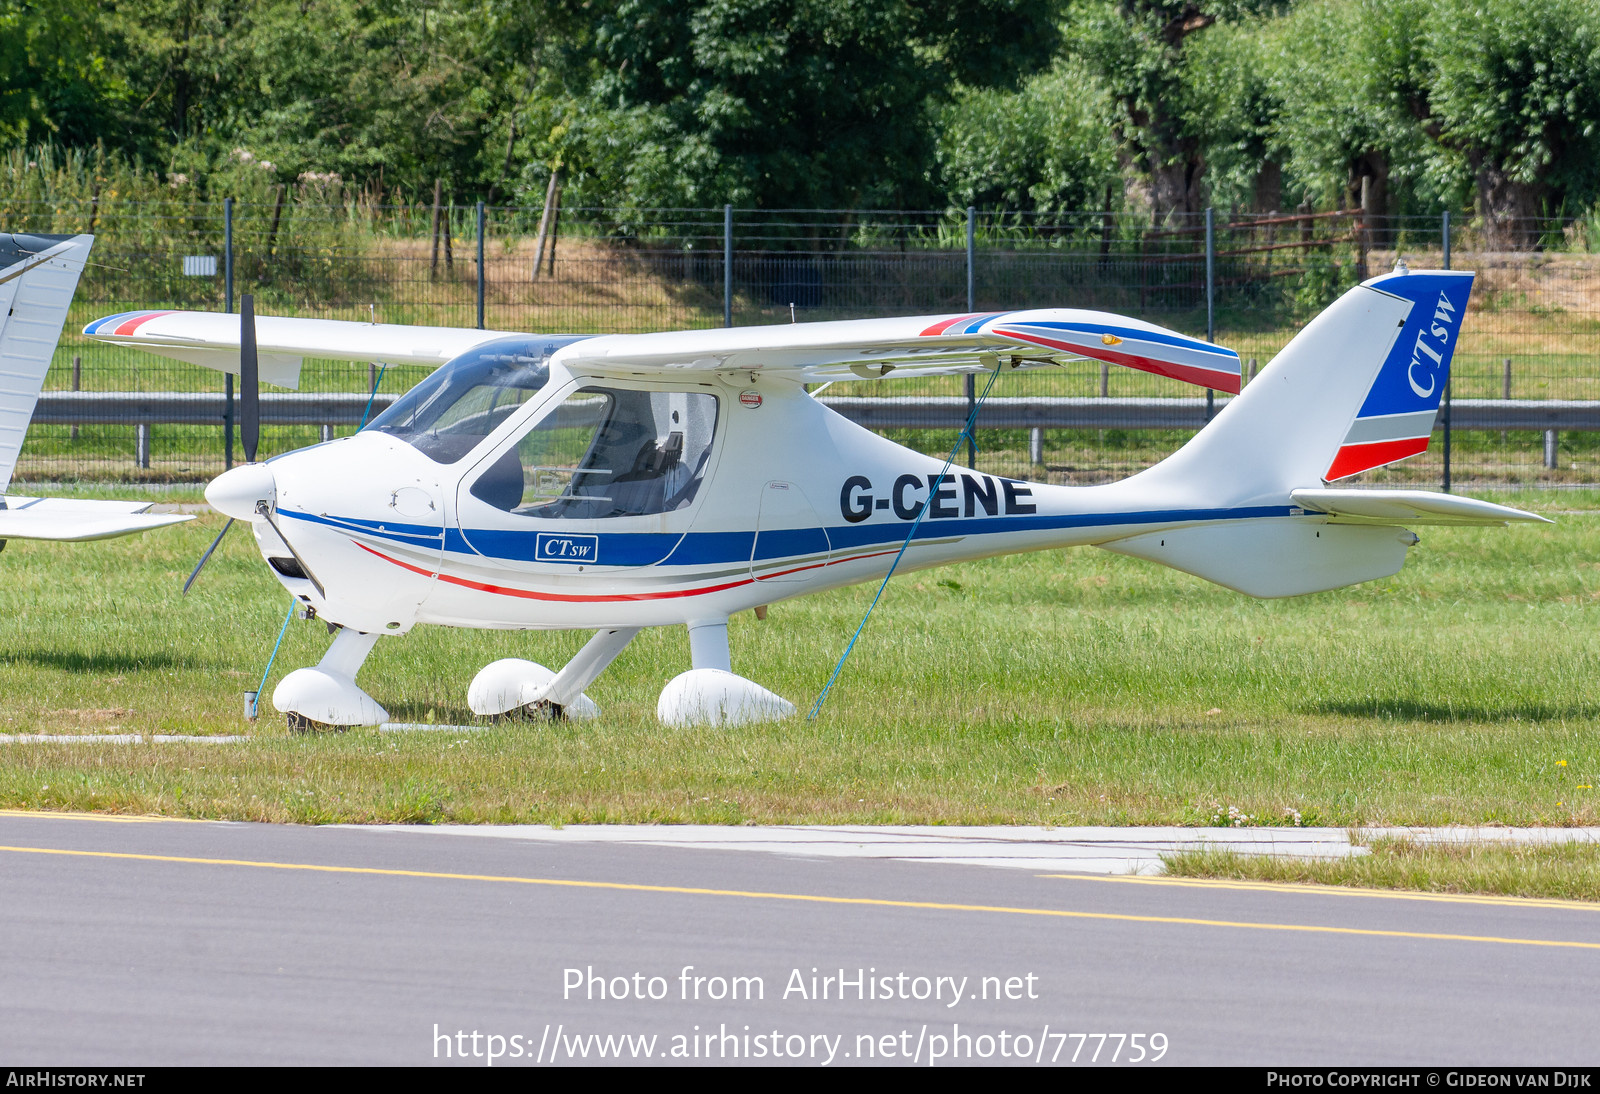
x=266, y=514
x=249, y=379
x=205, y=558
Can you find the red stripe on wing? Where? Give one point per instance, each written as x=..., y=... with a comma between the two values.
x=131, y=326
x=1220, y=379
x=945, y=324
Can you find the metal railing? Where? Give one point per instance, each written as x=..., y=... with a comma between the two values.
x=333, y=411
x=1532, y=337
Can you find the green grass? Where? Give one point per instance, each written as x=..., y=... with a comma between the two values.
x=1054, y=688
x=1563, y=871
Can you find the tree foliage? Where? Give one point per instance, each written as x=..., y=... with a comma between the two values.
x=787, y=103
x=1169, y=105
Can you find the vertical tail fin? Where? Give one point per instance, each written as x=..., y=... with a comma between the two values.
x=1357, y=388
x=38, y=275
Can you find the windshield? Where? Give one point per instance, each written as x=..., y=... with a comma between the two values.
x=463, y=401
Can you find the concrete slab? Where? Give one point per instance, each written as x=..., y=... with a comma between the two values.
x=1042, y=850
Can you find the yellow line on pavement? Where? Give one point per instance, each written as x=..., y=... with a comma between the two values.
x=810, y=898
x=115, y=818
x=1314, y=889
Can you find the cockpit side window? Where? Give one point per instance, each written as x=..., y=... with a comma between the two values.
x=606, y=452
x=461, y=403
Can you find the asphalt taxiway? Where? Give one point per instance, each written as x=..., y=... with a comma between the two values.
x=132, y=941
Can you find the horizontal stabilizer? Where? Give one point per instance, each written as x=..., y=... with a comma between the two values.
x=77, y=519
x=212, y=339
x=1407, y=507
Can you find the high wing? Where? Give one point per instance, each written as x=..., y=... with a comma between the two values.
x=75, y=520
x=922, y=345
x=811, y=352
x=212, y=339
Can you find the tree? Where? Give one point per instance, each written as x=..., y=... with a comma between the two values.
x=1233, y=108
x=1352, y=80
x=1047, y=146
x=1137, y=49
x=1516, y=95
x=55, y=83
x=785, y=103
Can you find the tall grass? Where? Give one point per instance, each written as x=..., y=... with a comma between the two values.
x=1056, y=688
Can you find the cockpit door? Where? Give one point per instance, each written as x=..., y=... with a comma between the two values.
x=606, y=478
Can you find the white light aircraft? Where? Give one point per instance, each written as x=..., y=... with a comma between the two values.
x=38, y=275
x=619, y=482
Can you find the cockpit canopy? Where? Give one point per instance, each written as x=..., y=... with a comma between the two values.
x=466, y=399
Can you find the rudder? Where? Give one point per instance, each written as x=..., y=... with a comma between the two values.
x=1358, y=387
x=1396, y=419
x=38, y=276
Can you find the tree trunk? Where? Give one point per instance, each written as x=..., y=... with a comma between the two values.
x=1510, y=209
x=1268, y=196
x=1175, y=180
x=1369, y=191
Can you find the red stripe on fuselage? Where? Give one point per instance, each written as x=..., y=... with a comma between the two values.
x=1353, y=459
x=1219, y=379
x=568, y=598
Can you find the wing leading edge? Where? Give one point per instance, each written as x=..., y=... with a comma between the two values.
x=212, y=339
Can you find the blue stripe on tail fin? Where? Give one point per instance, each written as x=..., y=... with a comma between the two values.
x=1396, y=419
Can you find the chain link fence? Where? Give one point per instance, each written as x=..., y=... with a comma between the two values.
x=1528, y=359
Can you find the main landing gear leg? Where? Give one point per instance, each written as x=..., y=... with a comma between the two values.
x=709, y=693
x=326, y=697
x=512, y=683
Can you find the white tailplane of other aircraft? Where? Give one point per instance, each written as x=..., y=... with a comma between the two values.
x=619, y=482
x=38, y=275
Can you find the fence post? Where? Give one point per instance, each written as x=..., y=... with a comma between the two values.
x=972, y=248
x=1444, y=230
x=433, y=257
x=970, y=381
x=480, y=265
x=544, y=225
x=1507, y=393
x=1211, y=298
x=77, y=382
x=227, y=379
x=727, y=265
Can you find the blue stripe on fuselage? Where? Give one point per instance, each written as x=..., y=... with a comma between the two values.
x=723, y=548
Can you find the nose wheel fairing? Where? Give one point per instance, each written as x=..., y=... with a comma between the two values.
x=327, y=695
